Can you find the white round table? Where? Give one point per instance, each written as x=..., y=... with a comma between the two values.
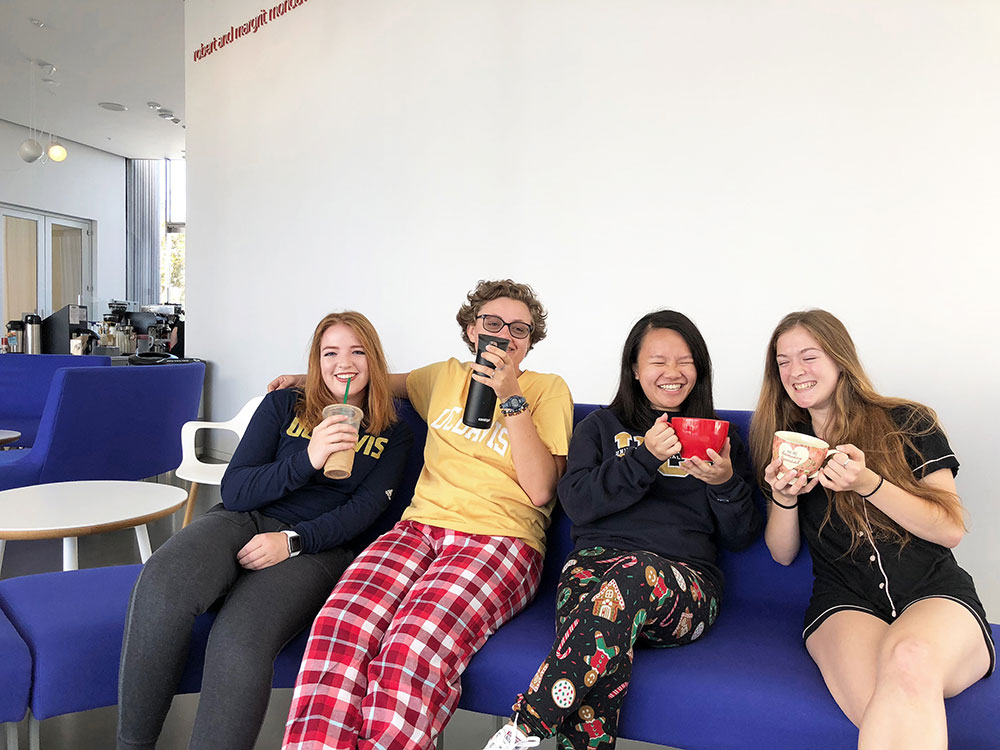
x=9, y=436
x=69, y=510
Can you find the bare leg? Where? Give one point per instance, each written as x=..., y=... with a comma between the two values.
x=845, y=648
x=891, y=680
x=934, y=650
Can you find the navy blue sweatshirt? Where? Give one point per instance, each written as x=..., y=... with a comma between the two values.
x=619, y=495
x=270, y=472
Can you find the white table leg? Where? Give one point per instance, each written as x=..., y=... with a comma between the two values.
x=34, y=741
x=142, y=538
x=11, y=735
x=3, y=544
x=70, y=557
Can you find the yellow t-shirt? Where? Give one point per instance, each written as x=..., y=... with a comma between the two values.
x=468, y=482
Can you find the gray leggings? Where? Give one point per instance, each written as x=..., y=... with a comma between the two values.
x=262, y=610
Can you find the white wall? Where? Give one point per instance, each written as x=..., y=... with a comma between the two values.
x=90, y=184
x=732, y=160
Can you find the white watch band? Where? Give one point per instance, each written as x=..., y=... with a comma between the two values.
x=291, y=534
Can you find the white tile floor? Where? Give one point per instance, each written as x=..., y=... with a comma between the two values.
x=96, y=729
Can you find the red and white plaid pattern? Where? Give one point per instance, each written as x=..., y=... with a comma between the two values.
x=385, y=655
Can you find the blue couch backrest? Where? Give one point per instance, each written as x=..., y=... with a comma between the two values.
x=24, y=387
x=751, y=574
x=110, y=423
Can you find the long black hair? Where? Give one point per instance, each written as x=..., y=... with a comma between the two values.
x=630, y=404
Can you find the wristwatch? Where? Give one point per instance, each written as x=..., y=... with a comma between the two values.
x=294, y=542
x=513, y=405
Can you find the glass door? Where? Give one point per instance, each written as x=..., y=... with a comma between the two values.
x=69, y=264
x=21, y=244
x=45, y=263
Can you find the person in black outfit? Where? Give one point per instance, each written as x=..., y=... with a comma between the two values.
x=271, y=551
x=894, y=623
x=646, y=526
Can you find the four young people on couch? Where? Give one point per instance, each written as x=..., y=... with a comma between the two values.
x=383, y=663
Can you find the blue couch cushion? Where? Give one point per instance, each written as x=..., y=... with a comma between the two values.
x=73, y=623
x=15, y=672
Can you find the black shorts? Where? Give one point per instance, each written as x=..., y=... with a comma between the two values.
x=830, y=597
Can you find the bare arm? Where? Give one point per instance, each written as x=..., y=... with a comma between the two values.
x=537, y=470
x=781, y=534
x=920, y=517
x=397, y=383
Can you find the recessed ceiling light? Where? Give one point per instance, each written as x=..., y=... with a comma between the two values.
x=166, y=114
x=38, y=23
x=112, y=106
x=50, y=81
x=153, y=105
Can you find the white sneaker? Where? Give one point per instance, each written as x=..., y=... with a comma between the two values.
x=511, y=738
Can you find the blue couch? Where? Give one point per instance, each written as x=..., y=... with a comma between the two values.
x=24, y=388
x=748, y=684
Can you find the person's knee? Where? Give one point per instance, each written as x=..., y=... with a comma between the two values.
x=909, y=661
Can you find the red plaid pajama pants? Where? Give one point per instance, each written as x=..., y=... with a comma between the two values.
x=386, y=653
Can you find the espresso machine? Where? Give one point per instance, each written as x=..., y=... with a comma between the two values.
x=67, y=331
x=159, y=331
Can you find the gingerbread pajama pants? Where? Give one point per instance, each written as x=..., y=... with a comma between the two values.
x=607, y=601
x=383, y=663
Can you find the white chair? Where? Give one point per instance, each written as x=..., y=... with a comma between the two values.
x=198, y=472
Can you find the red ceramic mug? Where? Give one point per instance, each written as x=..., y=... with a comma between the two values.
x=698, y=435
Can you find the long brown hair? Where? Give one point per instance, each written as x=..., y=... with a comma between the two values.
x=380, y=411
x=859, y=415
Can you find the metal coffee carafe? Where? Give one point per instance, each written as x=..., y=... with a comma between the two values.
x=32, y=334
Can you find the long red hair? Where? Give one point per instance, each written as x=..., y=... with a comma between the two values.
x=380, y=411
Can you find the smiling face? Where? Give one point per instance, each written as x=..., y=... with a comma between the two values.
x=342, y=355
x=807, y=372
x=511, y=311
x=665, y=369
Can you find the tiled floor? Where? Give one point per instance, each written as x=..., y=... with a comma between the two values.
x=96, y=729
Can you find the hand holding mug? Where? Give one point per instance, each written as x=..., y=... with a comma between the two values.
x=788, y=485
x=717, y=470
x=332, y=435
x=661, y=440
x=502, y=378
x=846, y=471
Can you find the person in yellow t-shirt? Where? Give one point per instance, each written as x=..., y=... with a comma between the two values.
x=383, y=663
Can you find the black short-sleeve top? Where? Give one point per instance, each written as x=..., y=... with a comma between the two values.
x=884, y=572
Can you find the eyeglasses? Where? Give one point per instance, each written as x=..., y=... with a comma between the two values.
x=495, y=324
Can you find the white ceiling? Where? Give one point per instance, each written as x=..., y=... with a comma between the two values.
x=125, y=51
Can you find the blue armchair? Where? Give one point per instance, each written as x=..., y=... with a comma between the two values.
x=24, y=388
x=108, y=423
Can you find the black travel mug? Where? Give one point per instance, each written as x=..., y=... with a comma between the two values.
x=482, y=399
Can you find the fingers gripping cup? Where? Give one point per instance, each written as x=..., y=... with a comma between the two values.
x=804, y=453
x=339, y=464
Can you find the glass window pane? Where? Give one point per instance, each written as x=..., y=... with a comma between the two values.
x=20, y=267
x=67, y=266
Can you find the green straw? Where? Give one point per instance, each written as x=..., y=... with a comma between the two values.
x=347, y=389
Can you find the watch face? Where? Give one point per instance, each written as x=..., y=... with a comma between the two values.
x=294, y=543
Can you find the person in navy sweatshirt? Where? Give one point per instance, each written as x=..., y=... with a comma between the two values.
x=271, y=551
x=646, y=526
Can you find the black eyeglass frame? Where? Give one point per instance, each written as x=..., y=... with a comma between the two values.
x=504, y=323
